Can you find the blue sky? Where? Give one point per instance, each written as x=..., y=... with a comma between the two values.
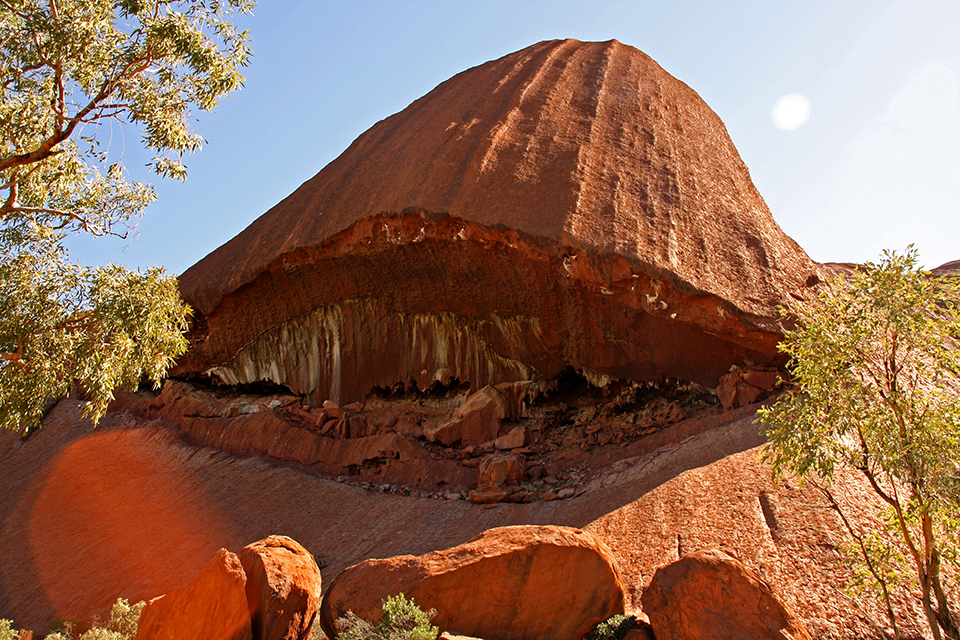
x=876, y=166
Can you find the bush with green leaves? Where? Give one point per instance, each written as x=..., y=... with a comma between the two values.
x=402, y=619
x=875, y=367
x=73, y=72
x=121, y=625
x=7, y=632
x=615, y=628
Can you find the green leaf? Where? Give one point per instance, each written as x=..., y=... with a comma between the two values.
x=71, y=72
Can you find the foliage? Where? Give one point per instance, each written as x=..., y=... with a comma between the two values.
x=875, y=361
x=316, y=631
x=122, y=625
x=124, y=617
x=615, y=628
x=73, y=73
x=402, y=619
x=7, y=632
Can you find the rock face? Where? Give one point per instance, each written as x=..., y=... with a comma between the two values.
x=568, y=205
x=509, y=583
x=213, y=606
x=745, y=386
x=476, y=422
x=708, y=595
x=252, y=429
x=502, y=469
x=283, y=588
x=74, y=536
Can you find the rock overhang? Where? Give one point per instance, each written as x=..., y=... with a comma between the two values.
x=569, y=205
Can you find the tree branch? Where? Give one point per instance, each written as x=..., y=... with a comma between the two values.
x=16, y=356
x=866, y=557
x=45, y=150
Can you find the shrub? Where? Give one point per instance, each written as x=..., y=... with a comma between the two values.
x=614, y=628
x=122, y=625
x=402, y=619
x=875, y=364
x=7, y=632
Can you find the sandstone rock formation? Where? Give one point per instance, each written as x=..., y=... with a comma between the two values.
x=502, y=469
x=568, y=205
x=283, y=588
x=211, y=606
x=741, y=387
x=253, y=428
x=708, y=595
x=476, y=422
x=509, y=583
x=78, y=502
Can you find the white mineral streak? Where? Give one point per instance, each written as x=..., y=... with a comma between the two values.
x=598, y=380
x=316, y=352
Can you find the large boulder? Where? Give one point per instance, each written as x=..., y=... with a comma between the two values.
x=570, y=205
x=283, y=588
x=503, y=469
x=741, y=387
x=708, y=595
x=212, y=606
x=477, y=421
x=509, y=583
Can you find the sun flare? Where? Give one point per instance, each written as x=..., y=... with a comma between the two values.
x=791, y=112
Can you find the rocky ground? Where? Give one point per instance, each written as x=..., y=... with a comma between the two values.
x=133, y=509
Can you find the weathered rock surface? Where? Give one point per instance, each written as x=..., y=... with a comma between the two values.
x=488, y=494
x=745, y=386
x=389, y=456
x=74, y=536
x=642, y=632
x=709, y=595
x=476, y=422
x=502, y=469
x=509, y=583
x=570, y=205
x=283, y=588
x=211, y=606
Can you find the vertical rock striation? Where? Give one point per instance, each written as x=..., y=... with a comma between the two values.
x=568, y=205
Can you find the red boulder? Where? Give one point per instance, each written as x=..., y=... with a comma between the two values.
x=510, y=583
x=212, y=606
x=709, y=595
x=283, y=588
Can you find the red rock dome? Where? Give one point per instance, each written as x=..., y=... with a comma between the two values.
x=568, y=205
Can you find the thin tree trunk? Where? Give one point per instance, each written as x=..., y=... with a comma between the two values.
x=891, y=616
x=944, y=613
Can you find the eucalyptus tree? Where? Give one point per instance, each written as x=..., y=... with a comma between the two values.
x=73, y=72
x=876, y=372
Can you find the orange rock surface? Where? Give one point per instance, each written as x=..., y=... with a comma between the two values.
x=508, y=583
x=568, y=205
x=211, y=606
x=708, y=595
x=129, y=509
x=283, y=588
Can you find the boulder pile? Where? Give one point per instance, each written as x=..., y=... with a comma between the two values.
x=508, y=583
x=507, y=443
x=270, y=592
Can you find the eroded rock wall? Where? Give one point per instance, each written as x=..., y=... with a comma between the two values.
x=568, y=205
x=404, y=298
